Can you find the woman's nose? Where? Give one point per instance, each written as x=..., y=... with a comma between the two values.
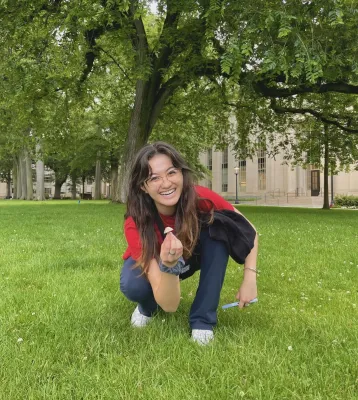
x=166, y=181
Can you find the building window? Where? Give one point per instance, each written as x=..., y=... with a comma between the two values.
x=210, y=167
x=210, y=160
x=308, y=177
x=224, y=170
x=49, y=178
x=89, y=181
x=261, y=155
x=242, y=175
x=47, y=190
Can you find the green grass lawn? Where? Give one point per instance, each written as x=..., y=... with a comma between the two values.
x=64, y=325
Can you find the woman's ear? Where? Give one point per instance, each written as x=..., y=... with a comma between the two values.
x=144, y=189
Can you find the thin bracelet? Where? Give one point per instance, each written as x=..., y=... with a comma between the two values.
x=252, y=269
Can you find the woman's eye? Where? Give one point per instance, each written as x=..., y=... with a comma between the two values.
x=172, y=172
x=154, y=179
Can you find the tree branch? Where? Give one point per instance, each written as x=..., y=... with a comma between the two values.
x=238, y=105
x=116, y=62
x=338, y=87
x=91, y=37
x=170, y=25
x=318, y=115
x=139, y=40
x=164, y=93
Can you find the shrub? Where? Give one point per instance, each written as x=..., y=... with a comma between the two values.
x=346, y=201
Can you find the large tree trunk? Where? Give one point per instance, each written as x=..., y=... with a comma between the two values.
x=73, y=187
x=40, y=176
x=58, y=186
x=23, y=175
x=325, y=173
x=83, y=186
x=138, y=134
x=150, y=97
x=14, y=178
x=19, y=176
x=114, y=178
x=29, y=183
x=8, y=185
x=97, y=180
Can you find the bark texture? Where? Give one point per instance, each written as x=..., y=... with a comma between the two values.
x=325, y=174
x=23, y=175
x=8, y=185
x=14, y=178
x=40, y=176
x=58, y=185
x=98, y=179
x=114, y=178
x=73, y=187
x=29, y=183
x=19, y=176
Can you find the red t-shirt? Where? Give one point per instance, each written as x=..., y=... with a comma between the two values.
x=134, y=248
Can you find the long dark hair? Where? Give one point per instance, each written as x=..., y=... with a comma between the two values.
x=142, y=209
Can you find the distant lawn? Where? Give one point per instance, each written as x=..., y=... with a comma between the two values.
x=64, y=326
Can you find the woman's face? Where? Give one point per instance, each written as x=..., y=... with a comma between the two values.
x=165, y=184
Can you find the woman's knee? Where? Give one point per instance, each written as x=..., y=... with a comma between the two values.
x=133, y=284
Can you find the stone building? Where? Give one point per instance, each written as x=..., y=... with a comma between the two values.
x=264, y=179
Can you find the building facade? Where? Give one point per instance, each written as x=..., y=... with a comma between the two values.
x=260, y=177
x=263, y=175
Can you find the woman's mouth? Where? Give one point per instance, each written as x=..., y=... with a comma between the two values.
x=167, y=193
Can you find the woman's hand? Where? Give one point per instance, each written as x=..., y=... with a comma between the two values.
x=171, y=250
x=247, y=291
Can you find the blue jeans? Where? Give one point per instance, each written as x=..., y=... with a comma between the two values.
x=210, y=257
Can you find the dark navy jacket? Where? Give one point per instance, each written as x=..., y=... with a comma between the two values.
x=229, y=227
x=237, y=233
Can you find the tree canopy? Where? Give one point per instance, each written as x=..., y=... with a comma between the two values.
x=114, y=73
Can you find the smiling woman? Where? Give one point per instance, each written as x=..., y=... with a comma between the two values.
x=165, y=184
x=162, y=193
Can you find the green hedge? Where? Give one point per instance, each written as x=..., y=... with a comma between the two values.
x=346, y=201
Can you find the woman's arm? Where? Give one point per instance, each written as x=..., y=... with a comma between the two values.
x=166, y=287
x=251, y=259
x=248, y=288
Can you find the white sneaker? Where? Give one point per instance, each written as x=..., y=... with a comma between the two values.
x=139, y=320
x=202, y=336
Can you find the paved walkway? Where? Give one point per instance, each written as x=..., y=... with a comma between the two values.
x=253, y=203
x=301, y=202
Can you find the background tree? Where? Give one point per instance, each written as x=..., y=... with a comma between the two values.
x=196, y=118
x=279, y=51
x=6, y=164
